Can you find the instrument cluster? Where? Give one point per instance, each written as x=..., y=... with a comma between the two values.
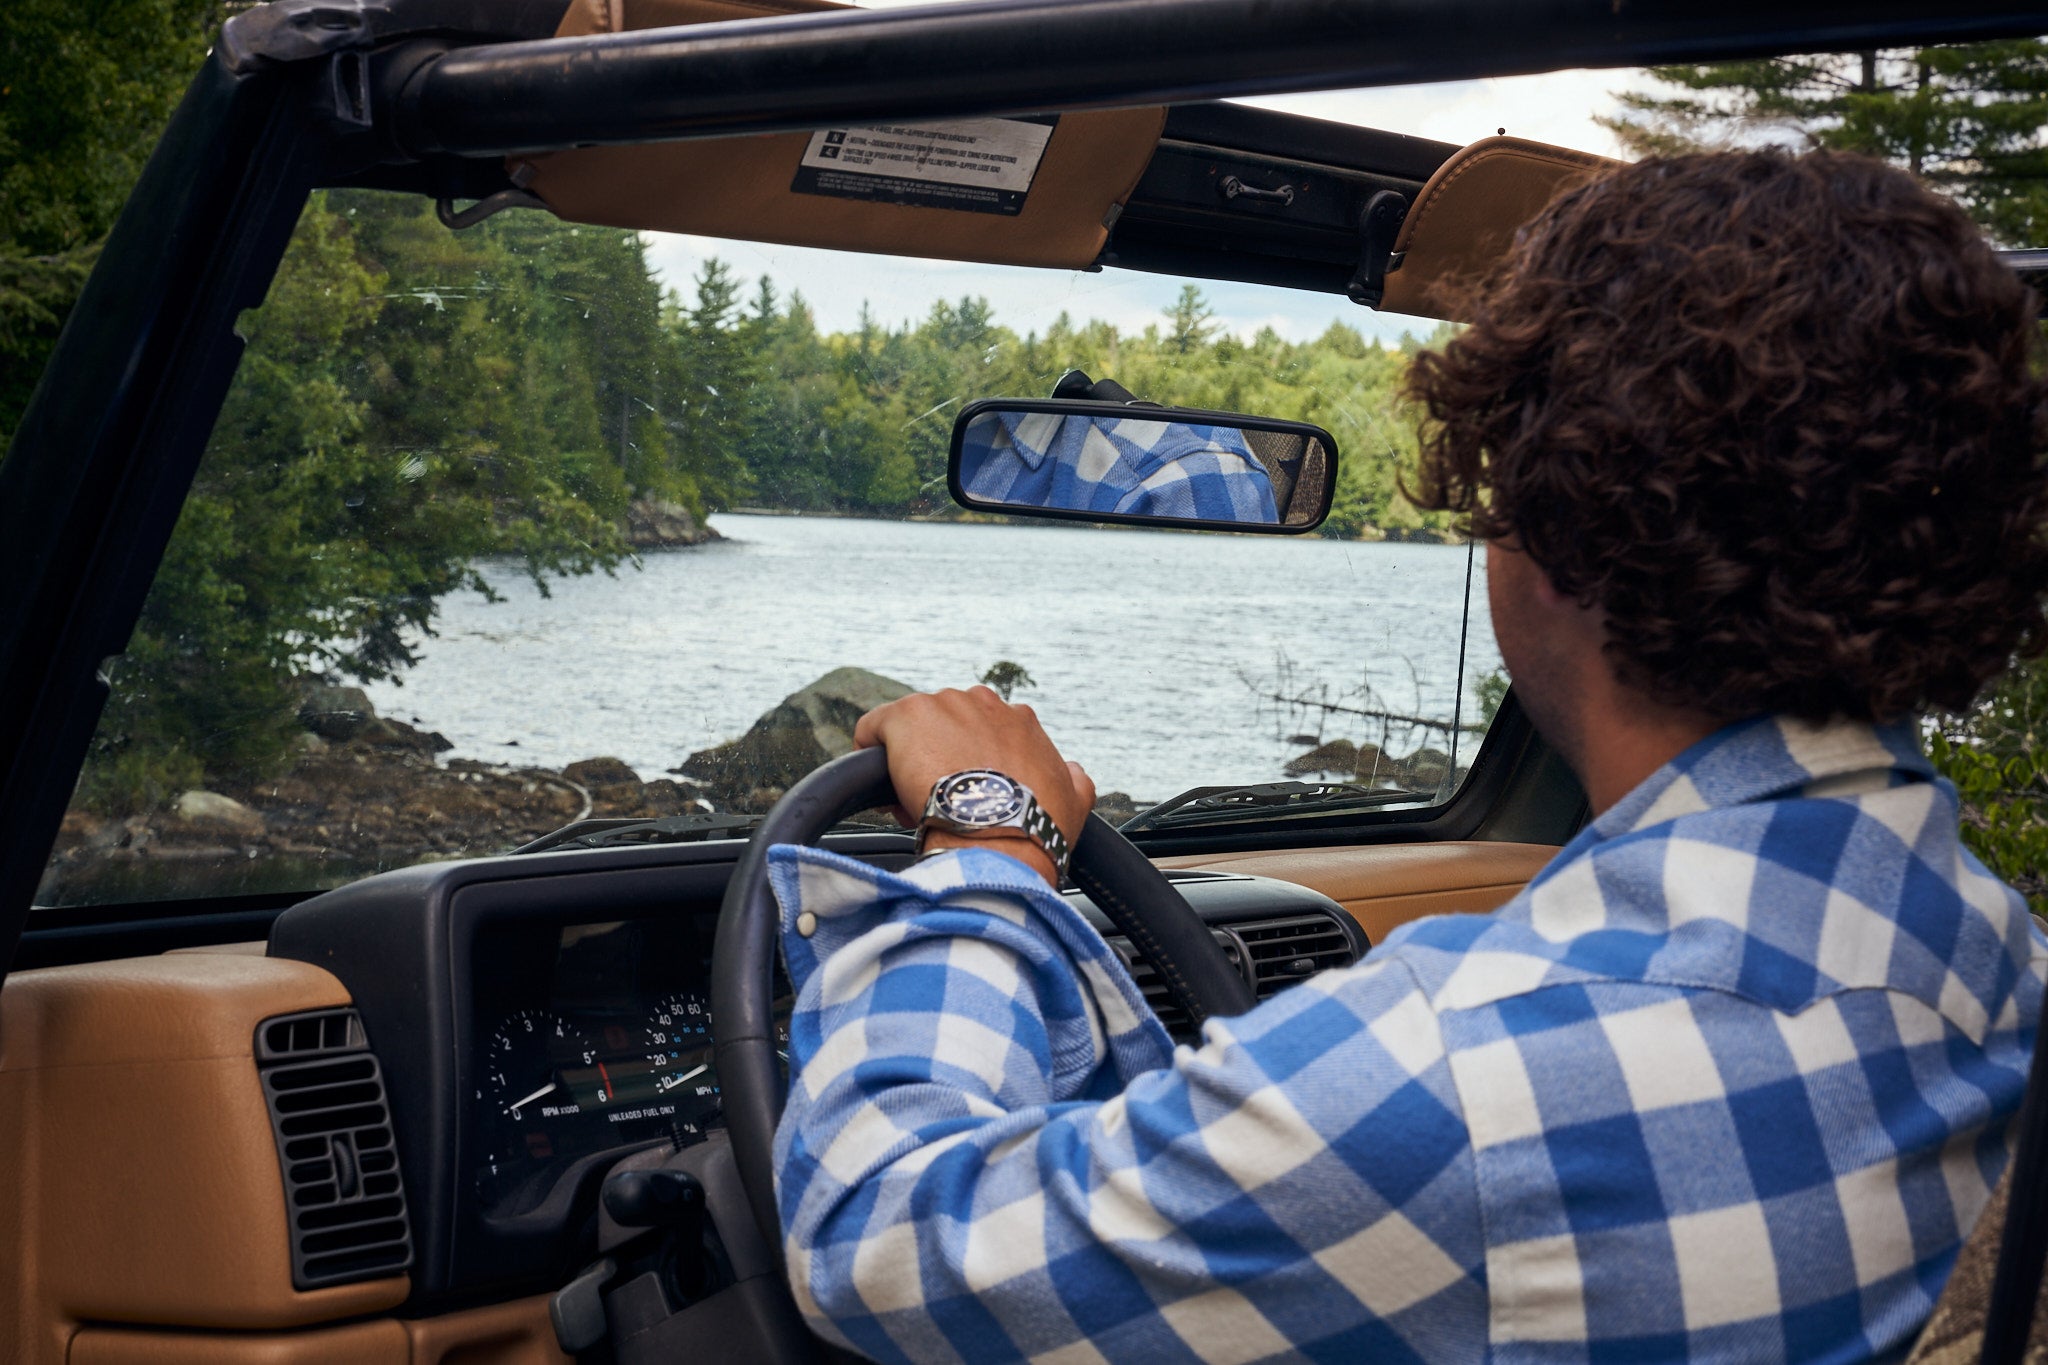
x=608, y=1047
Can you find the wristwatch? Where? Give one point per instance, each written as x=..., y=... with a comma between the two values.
x=982, y=799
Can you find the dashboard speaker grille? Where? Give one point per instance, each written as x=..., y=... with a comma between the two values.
x=343, y=1195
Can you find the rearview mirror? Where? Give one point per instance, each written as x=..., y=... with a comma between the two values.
x=1090, y=460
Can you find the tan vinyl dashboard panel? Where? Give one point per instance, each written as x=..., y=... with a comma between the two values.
x=1386, y=885
x=144, y=1180
x=514, y=1333
x=1466, y=218
x=741, y=188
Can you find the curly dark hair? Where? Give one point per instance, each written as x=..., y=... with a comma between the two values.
x=1778, y=417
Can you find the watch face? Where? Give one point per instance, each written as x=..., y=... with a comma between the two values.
x=979, y=798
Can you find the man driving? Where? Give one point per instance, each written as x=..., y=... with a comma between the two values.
x=1754, y=445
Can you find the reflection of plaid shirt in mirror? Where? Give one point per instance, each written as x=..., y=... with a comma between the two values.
x=1116, y=464
x=1730, y=1080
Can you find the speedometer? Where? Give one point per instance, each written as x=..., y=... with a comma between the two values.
x=679, y=1045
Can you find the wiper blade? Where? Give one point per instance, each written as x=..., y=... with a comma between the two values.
x=690, y=827
x=630, y=830
x=1214, y=805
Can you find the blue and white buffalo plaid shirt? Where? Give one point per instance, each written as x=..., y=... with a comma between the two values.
x=1116, y=464
x=1730, y=1080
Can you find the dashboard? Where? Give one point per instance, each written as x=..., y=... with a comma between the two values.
x=540, y=1018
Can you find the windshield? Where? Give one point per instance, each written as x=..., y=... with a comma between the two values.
x=534, y=523
x=510, y=528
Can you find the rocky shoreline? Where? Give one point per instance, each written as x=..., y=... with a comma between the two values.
x=367, y=793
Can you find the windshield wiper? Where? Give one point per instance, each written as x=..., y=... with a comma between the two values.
x=1216, y=805
x=625, y=832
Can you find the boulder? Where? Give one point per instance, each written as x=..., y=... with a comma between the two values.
x=396, y=734
x=600, y=772
x=336, y=712
x=808, y=727
x=656, y=523
x=1339, y=756
x=1115, y=807
x=1425, y=770
x=212, y=811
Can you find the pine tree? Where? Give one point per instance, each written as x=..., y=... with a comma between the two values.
x=718, y=368
x=84, y=92
x=1192, y=321
x=1966, y=119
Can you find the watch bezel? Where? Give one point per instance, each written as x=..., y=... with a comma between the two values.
x=942, y=798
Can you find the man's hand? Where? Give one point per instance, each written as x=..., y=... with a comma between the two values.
x=931, y=735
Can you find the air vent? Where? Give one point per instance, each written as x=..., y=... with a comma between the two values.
x=1287, y=951
x=1153, y=987
x=1282, y=951
x=334, y=1143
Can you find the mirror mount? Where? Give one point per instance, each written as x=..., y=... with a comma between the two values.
x=1077, y=385
x=1379, y=227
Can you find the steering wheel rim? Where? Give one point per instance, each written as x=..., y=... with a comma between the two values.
x=1123, y=883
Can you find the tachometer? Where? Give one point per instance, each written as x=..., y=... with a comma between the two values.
x=525, y=1060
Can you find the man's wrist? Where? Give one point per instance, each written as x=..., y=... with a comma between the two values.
x=1015, y=842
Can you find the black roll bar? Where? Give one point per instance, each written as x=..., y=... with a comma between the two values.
x=1029, y=56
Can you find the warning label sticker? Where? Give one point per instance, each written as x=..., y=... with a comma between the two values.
x=982, y=165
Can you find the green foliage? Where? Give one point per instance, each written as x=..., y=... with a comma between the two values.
x=1489, y=691
x=721, y=356
x=84, y=92
x=411, y=401
x=36, y=293
x=1006, y=677
x=1998, y=758
x=1965, y=118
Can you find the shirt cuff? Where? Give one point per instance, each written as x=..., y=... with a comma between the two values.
x=827, y=900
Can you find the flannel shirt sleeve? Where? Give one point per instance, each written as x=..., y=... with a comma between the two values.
x=1208, y=485
x=991, y=1151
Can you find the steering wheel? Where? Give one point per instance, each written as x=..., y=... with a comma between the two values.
x=1122, y=882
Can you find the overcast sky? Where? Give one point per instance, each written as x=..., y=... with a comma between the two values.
x=1557, y=108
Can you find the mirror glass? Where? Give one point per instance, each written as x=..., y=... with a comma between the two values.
x=1099, y=461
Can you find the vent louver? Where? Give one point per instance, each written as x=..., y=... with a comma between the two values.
x=1153, y=987
x=333, y=1128
x=1282, y=953
x=1287, y=951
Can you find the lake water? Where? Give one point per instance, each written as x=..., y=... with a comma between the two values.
x=1149, y=649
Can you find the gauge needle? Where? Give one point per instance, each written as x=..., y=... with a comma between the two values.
x=673, y=1081
x=518, y=1105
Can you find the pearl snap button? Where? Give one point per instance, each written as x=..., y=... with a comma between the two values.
x=807, y=924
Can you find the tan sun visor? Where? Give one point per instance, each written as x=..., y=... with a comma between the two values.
x=1019, y=191
x=1466, y=218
